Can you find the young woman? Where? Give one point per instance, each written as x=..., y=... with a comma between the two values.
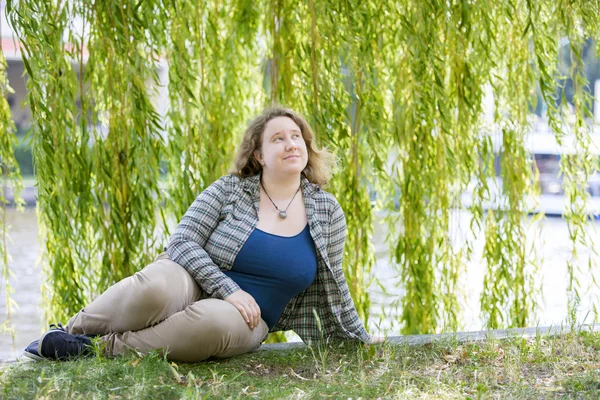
x=259, y=251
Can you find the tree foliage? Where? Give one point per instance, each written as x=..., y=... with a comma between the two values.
x=11, y=176
x=395, y=88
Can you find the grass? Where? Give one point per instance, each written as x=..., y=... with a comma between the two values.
x=519, y=368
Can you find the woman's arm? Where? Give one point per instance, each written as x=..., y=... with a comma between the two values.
x=186, y=245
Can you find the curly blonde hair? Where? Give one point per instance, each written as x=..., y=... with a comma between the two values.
x=320, y=161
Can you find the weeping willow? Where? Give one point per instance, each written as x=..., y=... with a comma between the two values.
x=394, y=88
x=60, y=150
x=97, y=164
x=124, y=44
x=442, y=67
x=505, y=280
x=213, y=70
x=579, y=21
x=311, y=69
x=11, y=177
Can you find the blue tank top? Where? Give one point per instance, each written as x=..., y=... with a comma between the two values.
x=273, y=269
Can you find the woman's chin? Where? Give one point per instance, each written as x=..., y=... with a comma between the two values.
x=292, y=171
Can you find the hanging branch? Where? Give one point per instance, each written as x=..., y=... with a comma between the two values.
x=212, y=72
x=363, y=150
x=125, y=43
x=61, y=167
x=423, y=177
x=508, y=263
x=465, y=46
x=11, y=176
x=576, y=22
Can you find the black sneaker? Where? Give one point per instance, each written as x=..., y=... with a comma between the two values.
x=31, y=351
x=57, y=344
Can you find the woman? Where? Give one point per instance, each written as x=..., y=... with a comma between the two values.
x=259, y=251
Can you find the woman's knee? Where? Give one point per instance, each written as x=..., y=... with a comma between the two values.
x=156, y=286
x=216, y=316
x=225, y=328
x=149, y=293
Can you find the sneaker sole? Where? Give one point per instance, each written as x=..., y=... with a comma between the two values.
x=33, y=356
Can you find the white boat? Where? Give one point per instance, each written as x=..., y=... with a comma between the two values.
x=547, y=153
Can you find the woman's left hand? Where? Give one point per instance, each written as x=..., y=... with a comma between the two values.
x=246, y=305
x=377, y=339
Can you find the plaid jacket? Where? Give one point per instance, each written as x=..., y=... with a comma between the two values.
x=218, y=223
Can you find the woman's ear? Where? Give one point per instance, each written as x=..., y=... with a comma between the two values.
x=258, y=157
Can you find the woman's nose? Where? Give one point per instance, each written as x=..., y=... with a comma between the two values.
x=290, y=145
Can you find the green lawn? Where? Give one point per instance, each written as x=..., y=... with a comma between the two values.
x=543, y=367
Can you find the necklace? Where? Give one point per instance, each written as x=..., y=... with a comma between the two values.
x=282, y=213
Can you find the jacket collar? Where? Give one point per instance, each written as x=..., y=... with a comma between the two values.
x=251, y=185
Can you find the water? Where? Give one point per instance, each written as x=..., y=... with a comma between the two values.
x=553, y=244
x=549, y=239
x=25, y=252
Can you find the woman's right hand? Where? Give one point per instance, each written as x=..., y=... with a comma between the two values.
x=246, y=305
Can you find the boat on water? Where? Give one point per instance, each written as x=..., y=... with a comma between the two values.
x=546, y=153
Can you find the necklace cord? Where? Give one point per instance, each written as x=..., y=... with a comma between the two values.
x=272, y=202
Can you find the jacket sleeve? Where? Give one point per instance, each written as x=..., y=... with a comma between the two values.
x=342, y=310
x=186, y=245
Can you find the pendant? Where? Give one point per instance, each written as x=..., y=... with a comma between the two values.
x=282, y=214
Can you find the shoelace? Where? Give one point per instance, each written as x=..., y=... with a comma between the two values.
x=72, y=338
x=58, y=326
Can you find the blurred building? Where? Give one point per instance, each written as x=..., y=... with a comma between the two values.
x=15, y=71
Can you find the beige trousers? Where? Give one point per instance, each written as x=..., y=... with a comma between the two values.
x=162, y=308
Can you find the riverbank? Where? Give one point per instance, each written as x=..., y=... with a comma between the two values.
x=29, y=193
x=542, y=366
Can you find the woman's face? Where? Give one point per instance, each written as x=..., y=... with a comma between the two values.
x=283, y=148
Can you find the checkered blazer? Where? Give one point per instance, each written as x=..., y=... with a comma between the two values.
x=220, y=220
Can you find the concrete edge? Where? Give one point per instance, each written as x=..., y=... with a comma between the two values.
x=461, y=337
x=419, y=340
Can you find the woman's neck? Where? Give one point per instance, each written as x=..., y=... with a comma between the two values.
x=280, y=188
